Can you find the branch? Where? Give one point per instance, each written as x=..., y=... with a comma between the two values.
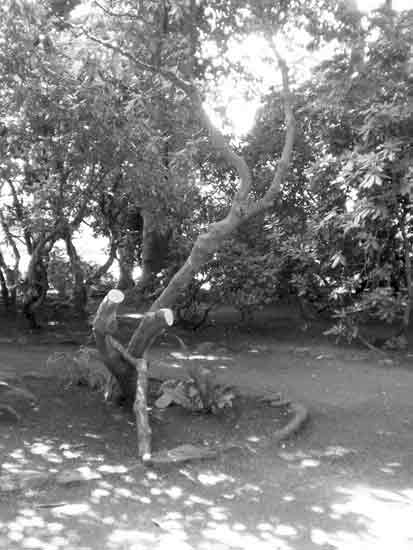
x=28, y=237
x=168, y=75
x=217, y=138
x=87, y=193
x=105, y=321
x=152, y=324
x=124, y=354
x=112, y=13
x=220, y=143
x=11, y=241
x=268, y=199
x=104, y=267
x=140, y=405
x=241, y=208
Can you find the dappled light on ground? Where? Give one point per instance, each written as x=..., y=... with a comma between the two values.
x=233, y=502
x=264, y=500
x=205, y=507
x=342, y=484
x=383, y=517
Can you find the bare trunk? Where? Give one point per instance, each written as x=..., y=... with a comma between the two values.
x=10, y=275
x=146, y=264
x=35, y=286
x=4, y=290
x=126, y=259
x=154, y=251
x=9, y=279
x=104, y=268
x=408, y=275
x=154, y=241
x=79, y=293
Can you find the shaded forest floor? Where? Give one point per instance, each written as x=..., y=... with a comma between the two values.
x=344, y=482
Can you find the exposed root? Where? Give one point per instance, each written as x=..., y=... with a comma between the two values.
x=301, y=416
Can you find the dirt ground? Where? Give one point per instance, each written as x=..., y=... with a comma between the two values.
x=345, y=482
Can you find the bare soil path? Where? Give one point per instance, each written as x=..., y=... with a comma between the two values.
x=346, y=482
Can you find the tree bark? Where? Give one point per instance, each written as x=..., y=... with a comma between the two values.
x=9, y=278
x=79, y=294
x=36, y=284
x=126, y=259
x=104, y=268
x=130, y=370
x=408, y=274
x=10, y=275
x=4, y=289
x=154, y=251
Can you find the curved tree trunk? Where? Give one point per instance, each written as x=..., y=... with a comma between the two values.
x=36, y=284
x=104, y=268
x=243, y=208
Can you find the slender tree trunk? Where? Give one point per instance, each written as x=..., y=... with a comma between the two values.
x=9, y=278
x=4, y=290
x=10, y=275
x=154, y=251
x=126, y=259
x=35, y=285
x=79, y=294
x=104, y=268
x=147, y=251
x=407, y=274
x=154, y=239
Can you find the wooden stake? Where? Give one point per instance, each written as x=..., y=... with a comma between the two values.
x=140, y=408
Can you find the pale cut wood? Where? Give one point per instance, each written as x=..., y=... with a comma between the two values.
x=130, y=366
x=140, y=408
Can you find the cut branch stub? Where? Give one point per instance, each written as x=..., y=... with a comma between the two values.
x=105, y=321
x=130, y=366
x=119, y=361
x=104, y=325
x=152, y=324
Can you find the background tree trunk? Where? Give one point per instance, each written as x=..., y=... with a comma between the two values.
x=407, y=272
x=127, y=259
x=9, y=279
x=10, y=276
x=79, y=293
x=35, y=285
x=154, y=251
